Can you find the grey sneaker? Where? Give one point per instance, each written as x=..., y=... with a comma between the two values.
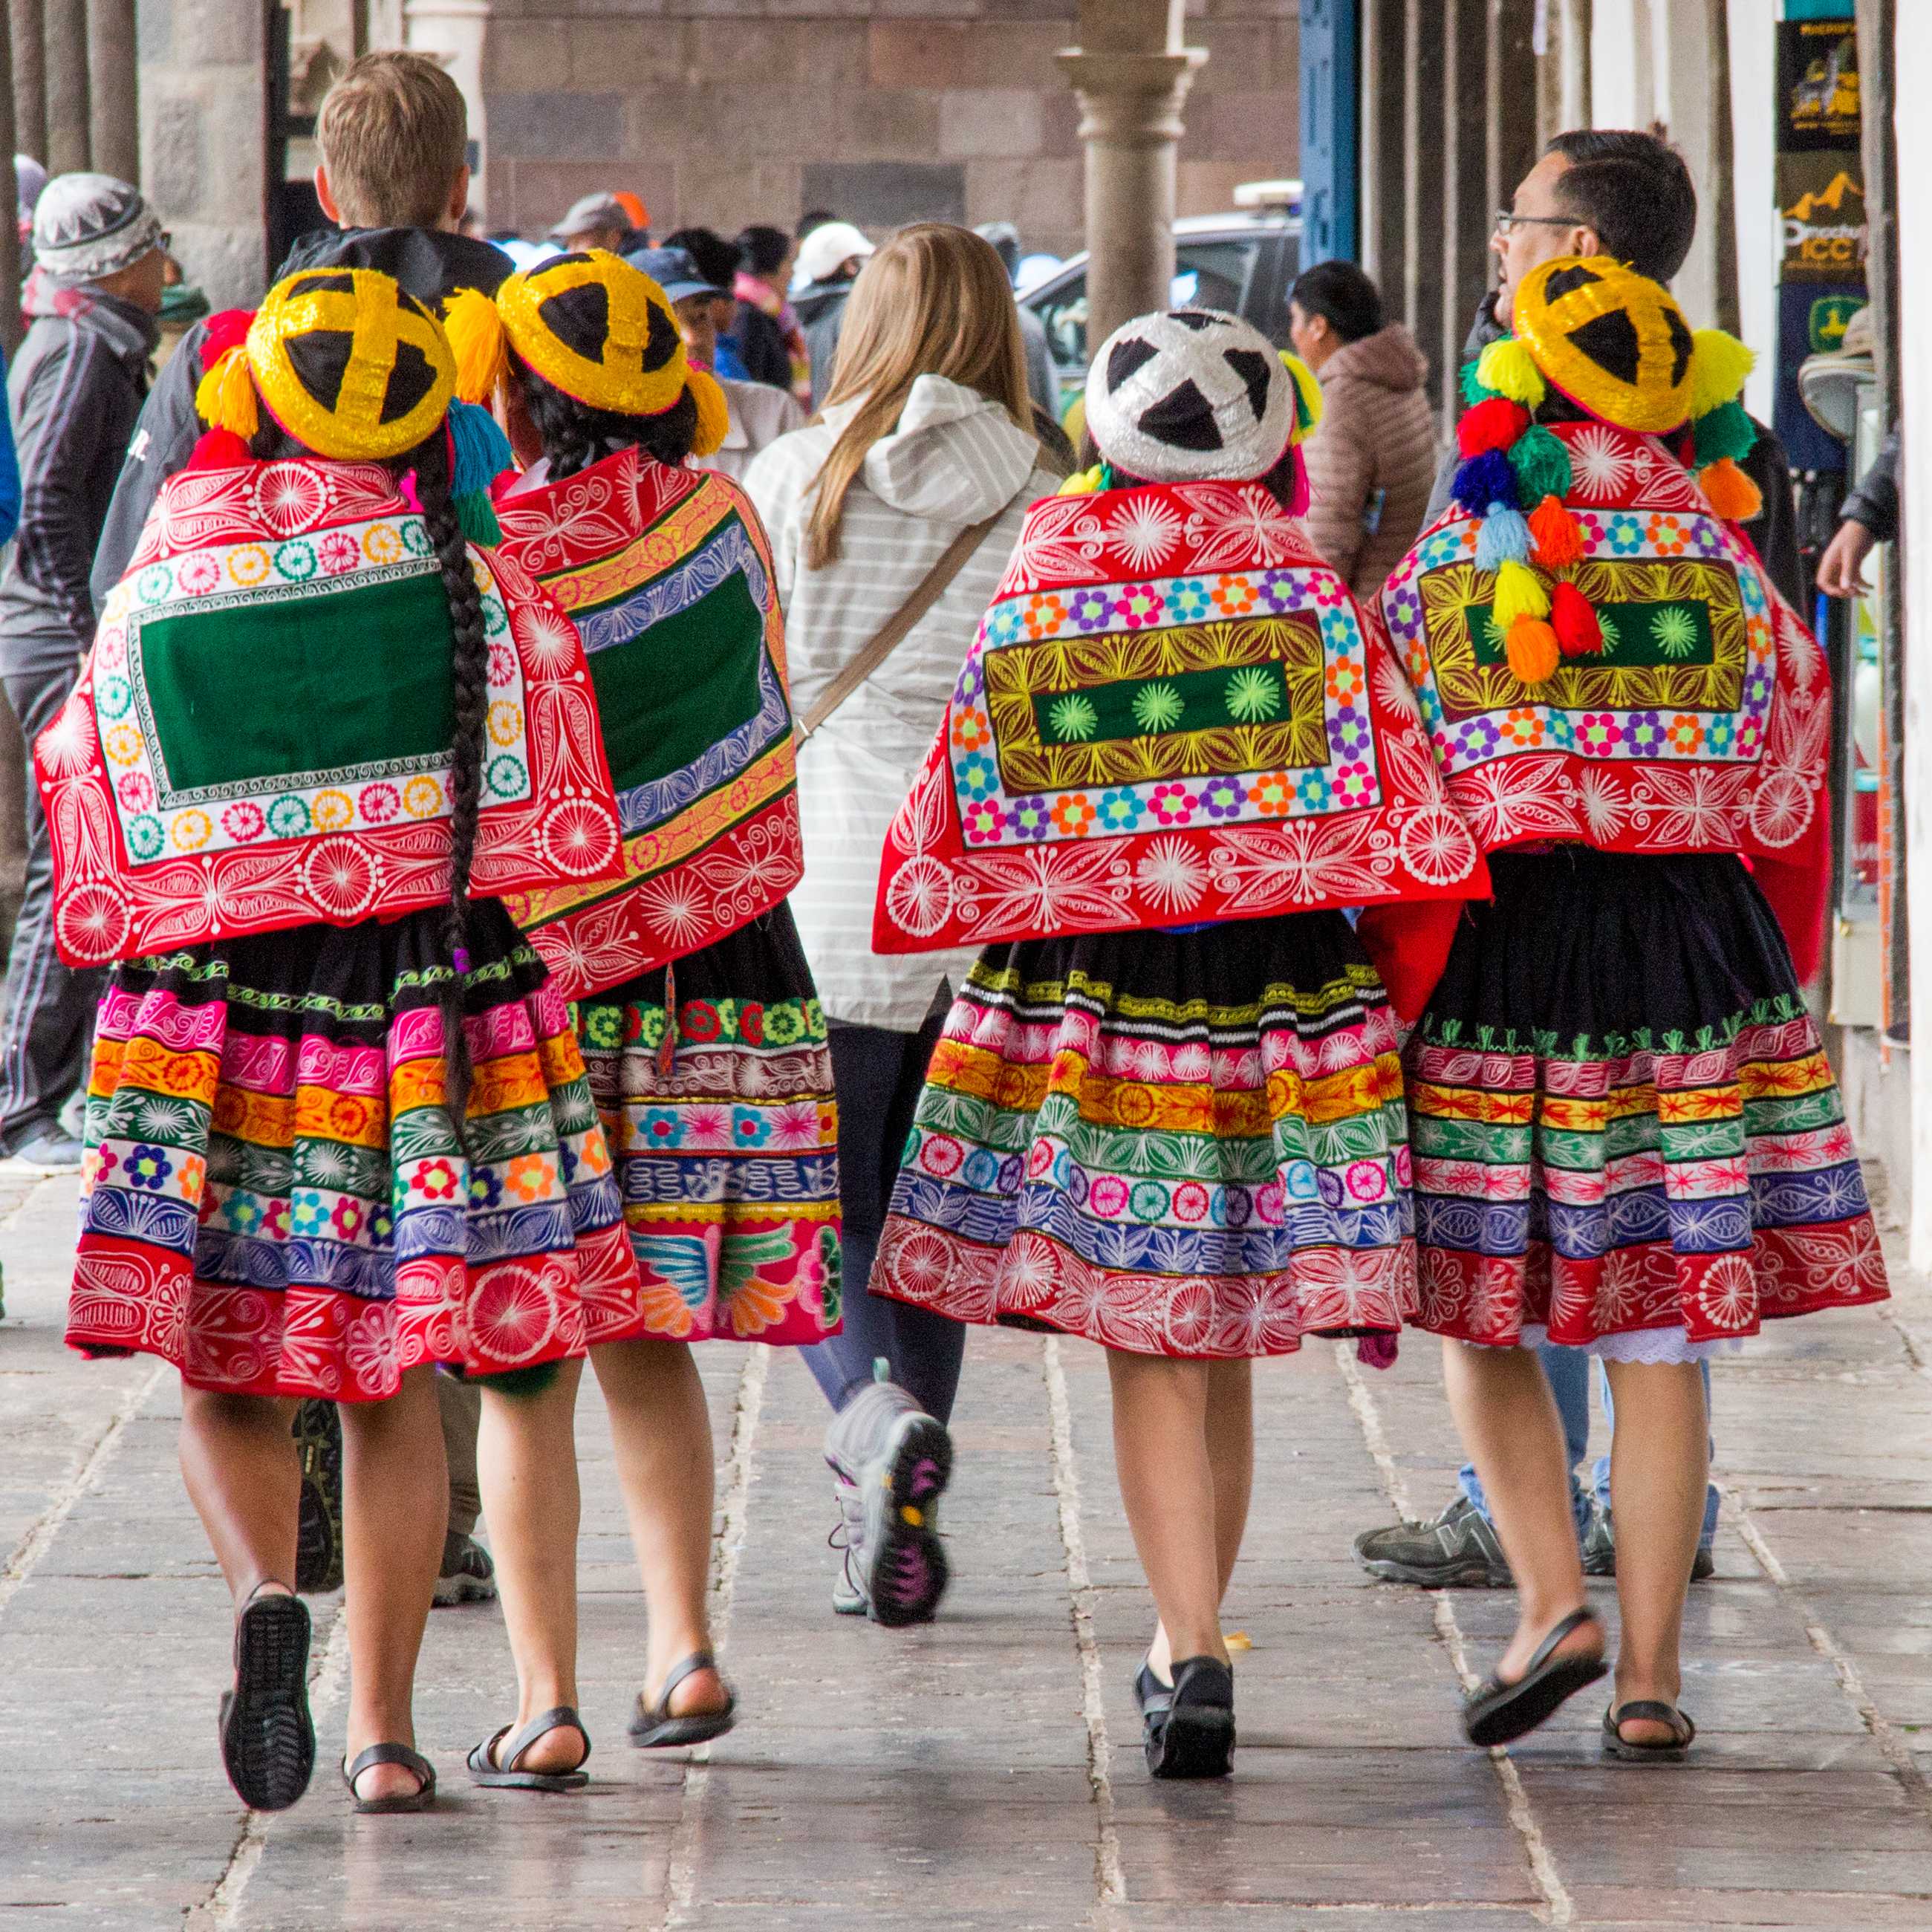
x=1458, y=1550
x=50, y=1151
x=468, y=1575
x=848, y=1537
x=1600, y=1551
x=899, y=1459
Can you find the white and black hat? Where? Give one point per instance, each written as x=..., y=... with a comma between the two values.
x=88, y=226
x=1188, y=394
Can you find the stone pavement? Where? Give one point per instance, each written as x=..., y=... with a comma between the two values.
x=985, y=1772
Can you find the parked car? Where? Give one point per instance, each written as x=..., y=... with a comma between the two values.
x=1245, y=261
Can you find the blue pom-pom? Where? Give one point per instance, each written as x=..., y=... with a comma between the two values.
x=1483, y=480
x=1505, y=536
x=482, y=450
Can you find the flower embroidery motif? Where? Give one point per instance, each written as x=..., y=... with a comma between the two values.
x=1172, y=804
x=1028, y=818
x=1120, y=810
x=1044, y=615
x=1074, y=717
x=147, y=1167
x=1138, y=606
x=435, y=1180
x=1253, y=695
x=1674, y=631
x=1073, y=815
x=972, y=731
x=1223, y=797
x=1272, y=794
x=1685, y=735
x=1144, y=532
x=982, y=821
x=1157, y=707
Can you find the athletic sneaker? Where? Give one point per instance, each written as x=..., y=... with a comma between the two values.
x=848, y=1537
x=1458, y=1550
x=1600, y=1551
x=50, y=1151
x=468, y=1576
x=899, y=1459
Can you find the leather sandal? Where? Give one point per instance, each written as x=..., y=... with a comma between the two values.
x=1187, y=1730
x=1496, y=1713
x=493, y=1763
x=655, y=1728
x=418, y=1766
x=1655, y=1710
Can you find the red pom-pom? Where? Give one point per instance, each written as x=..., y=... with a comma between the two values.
x=1494, y=424
x=1556, y=538
x=1579, y=634
x=220, y=449
x=227, y=328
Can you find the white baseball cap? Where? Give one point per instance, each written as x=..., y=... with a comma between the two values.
x=829, y=245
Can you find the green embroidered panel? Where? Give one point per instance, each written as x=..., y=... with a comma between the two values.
x=1650, y=636
x=302, y=687
x=1195, y=701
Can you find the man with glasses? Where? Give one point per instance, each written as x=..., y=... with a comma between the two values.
x=1620, y=192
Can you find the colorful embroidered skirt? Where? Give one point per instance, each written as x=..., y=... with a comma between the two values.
x=1623, y=1122
x=727, y=1148
x=276, y=1198
x=1173, y=1144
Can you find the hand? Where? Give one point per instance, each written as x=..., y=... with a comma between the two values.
x=1841, y=572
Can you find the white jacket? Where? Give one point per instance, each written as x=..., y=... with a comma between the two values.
x=760, y=415
x=952, y=459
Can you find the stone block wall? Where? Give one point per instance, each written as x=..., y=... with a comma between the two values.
x=727, y=112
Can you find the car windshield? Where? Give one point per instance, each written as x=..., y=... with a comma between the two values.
x=1212, y=271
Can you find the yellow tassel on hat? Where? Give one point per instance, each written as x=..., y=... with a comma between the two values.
x=1508, y=368
x=714, y=413
x=1520, y=593
x=1719, y=363
x=1732, y=492
x=225, y=397
x=1530, y=646
x=1308, y=396
x=475, y=327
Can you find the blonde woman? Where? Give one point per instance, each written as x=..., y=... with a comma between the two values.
x=920, y=460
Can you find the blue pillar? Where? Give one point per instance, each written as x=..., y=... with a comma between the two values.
x=1330, y=163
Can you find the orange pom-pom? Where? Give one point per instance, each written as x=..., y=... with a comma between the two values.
x=1556, y=538
x=1732, y=494
x=1578, y=632
x=1530, y=646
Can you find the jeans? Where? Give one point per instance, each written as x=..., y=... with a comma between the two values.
x=877, y=1075
x=1569, y=1372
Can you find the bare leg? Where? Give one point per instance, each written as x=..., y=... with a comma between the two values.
x=395, y=1503
x=526, y=1468
x=1659, y=1463
x=1167, y=1483
x=1230, y=1459
x=244, y=1476
x=661, y=1431
x=1509, y=1424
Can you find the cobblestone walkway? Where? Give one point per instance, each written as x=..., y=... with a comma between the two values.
x=985, y=1772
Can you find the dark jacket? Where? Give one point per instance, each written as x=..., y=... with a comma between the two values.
x=75, y=392
x=428, y=263
x=760, y=343
x=821, y=313
x=1874, y=500
x=1774, y=530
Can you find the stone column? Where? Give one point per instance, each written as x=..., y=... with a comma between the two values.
x=454, y=31
x=1131, y=74
x=30, y=80
x=114, y=114
x=63, y=41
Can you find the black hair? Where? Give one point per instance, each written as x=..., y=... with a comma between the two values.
x=717, y=260
x=1278, y=480
x=1339, y=291
x=763, y=250
x=1634, y=189
x=575, y=436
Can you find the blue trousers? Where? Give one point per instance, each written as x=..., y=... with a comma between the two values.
x=1569, y=1372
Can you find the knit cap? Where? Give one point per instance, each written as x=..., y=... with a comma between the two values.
x=88, y=227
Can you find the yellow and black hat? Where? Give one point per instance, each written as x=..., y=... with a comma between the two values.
x=349, y=363
x=1610, y=339
x=593, y=325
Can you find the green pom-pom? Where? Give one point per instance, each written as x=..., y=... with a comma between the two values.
x=477, y=515
x=1474, y=389
x=1541, y=464
x=1726, y=431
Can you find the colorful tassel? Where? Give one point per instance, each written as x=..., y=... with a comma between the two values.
x=476, y=513
x=1520, y=593
x=1504, y=538
x=1542, y=466
x=1483, y=480
x=1530, y=646
x=225, y=398
x=1474, y=389
x=1556, y=536
x=1494, y=424
x=1578, y=633
x=1733, y=495
x=1083, y=482
x=714, y=413
x=479, y=451
x=1725, y=431
x=1719, y=363
x=219, y=449
x=1307, y=396
x=1508, y=368
x=471, y=321
x=1298, y=494
x=227, y=328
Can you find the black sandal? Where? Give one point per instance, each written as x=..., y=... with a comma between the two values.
x=499, y=1772
x=654, y=1728
x=1616, y=1745
x=413, y=1762
x=1188, y=1728
x=268, y=1740
x=1496, y=1713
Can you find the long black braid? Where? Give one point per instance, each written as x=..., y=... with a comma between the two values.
x=575, y=436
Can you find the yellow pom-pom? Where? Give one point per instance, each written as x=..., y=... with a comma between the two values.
x=1520, y=593
x=475, y=327
x=1308, y=396
x=1508, y=368
x=225, y=397
x=1719, y=363
x=1733, y=495
x=1083, y=482
x=714, y=413
x=1530, y=646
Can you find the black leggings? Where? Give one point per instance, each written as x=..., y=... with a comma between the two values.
x=877, y=1074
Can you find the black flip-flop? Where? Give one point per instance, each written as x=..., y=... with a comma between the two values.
x=268, y=1741
x=420, y=1799
x=497, y=1769
x=1496, y=1713
x=1616, y=1745
x=1188, y=1730
x=654, y=1728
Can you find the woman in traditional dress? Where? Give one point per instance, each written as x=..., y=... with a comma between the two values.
x=1626, y=1137
x=338, y=1128
x=1166, y=1112
x=696, y=1011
